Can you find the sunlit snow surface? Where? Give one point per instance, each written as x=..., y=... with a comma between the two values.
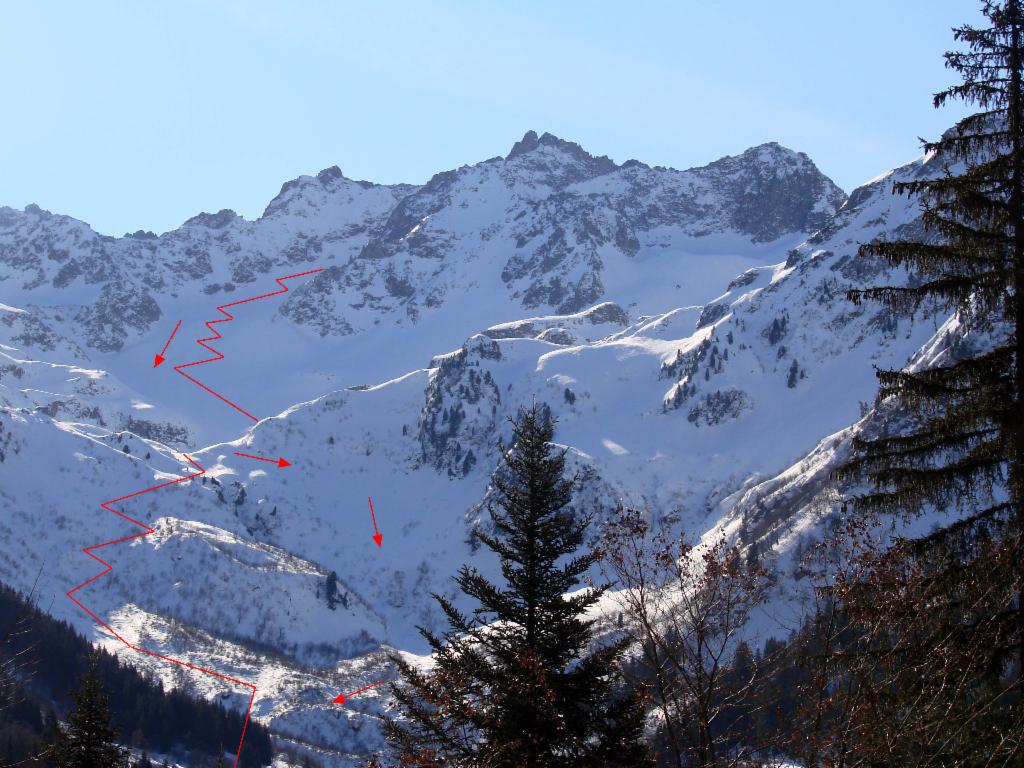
x=233, y=576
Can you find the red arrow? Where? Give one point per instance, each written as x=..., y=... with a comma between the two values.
x=341, y=696
x=376, y=534
x=281, y=462
x=157, y=359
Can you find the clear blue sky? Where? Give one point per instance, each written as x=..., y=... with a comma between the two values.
x=138, y=114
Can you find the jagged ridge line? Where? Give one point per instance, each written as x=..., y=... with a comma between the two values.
x=147, y=530
x=107, y=568
x=217, y=336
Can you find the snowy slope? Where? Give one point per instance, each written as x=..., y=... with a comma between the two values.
x=409, y=269
x=692, y=339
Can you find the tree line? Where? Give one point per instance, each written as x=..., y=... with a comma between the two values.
x=49, y=673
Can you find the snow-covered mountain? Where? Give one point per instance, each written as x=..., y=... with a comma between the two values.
x=413, y=270
x=688, y=328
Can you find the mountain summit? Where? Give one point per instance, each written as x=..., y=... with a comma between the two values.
x=536, y=230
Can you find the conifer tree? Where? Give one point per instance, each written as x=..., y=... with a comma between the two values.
x=517, y=683
x=88, y=738
x=332, y=590
x=937, y=671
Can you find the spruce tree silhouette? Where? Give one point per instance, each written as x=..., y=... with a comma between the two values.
x=88, y=739
x=519, y=682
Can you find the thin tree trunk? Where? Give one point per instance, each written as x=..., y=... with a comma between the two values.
x=1015, y=126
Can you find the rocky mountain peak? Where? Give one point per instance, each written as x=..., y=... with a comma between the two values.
x=774, y=190
x=528, y=143
x=327, y=175
x=531, y=142
x=528, y=152
x=768, y=157
x=327, y=181
x=218, y=220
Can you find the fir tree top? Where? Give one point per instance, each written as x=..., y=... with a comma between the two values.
x=89, y=739
x=517, y=682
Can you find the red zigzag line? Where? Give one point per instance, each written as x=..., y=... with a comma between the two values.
x=107, y=568
x=216, y=336
x=146, y=530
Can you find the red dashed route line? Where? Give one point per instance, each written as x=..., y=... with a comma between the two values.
x=146, y=530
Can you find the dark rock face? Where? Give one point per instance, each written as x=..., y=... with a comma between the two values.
x=559, y=336
x=457, y=423
x=160, y=431
x=311, y=304
x=120, y=309
x=564, y=298
x=711, y=314
x=217, y=220
x=528, y=143
x=609, y=312
x=583, y=165
x=328, y=175
x=774, y=191
x=28, y=330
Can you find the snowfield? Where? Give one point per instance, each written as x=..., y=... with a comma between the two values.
x=689, y=329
